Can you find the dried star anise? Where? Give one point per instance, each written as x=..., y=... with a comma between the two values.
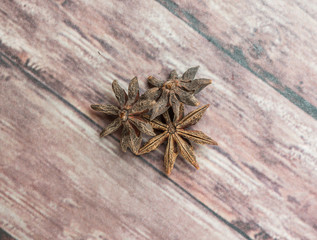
x=129, y=115
x=175, y=131
x=134, y=115
x=175, y=90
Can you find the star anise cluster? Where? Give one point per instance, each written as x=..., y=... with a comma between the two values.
x=155, y=109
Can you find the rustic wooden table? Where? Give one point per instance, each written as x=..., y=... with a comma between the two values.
x=59, y=180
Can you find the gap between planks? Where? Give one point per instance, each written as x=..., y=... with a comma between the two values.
x=5, y=236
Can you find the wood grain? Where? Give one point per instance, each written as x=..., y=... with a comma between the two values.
x=261, y=178
x=67, y=184
x=275, y=40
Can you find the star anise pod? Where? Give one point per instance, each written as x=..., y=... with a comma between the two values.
x=129, y=115
x=174, y=131
x=175, y=90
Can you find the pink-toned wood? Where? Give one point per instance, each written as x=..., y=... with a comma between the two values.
x=59, y=181
x=275, y=39
x=261, y=178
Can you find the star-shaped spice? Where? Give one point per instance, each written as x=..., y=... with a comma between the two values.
x=175, y=131
x=129, y=115
x=175, y=90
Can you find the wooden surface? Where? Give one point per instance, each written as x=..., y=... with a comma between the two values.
x=58, y=180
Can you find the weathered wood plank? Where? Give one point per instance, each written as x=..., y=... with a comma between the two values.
x=261, y=178
x=59, y=181
x=275, y=40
